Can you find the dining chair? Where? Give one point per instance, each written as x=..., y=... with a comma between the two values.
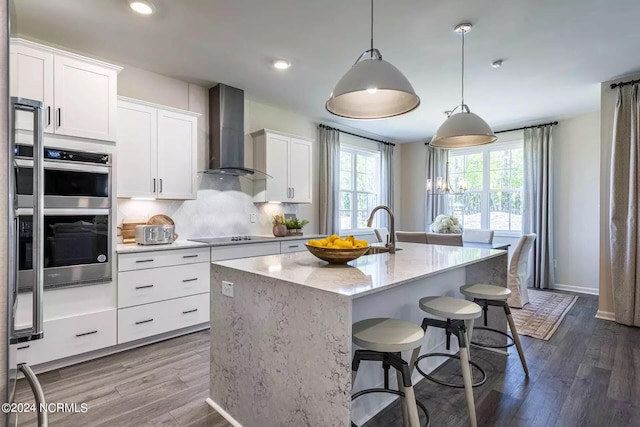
x=444, y=239
x=517, y=274
x=411, y=236
x=382, y=234
x=477, y=236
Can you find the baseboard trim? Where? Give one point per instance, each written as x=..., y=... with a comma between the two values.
x=578, y=289
x=606, y=315
x=222, y=412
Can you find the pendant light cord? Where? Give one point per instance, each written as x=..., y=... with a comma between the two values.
x=371, y=29
x=463, y=32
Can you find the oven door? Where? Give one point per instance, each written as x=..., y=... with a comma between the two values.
x=77, y=247
x=66, y=184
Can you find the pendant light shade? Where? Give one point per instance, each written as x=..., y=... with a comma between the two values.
x=463, y=129
x=372, y=89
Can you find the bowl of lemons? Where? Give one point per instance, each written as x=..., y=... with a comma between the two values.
x=336, y=250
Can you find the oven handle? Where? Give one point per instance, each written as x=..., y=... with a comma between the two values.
x=64, y=212
x=65, y=166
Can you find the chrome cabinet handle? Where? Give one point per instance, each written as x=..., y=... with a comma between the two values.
x=59, y=117
x=189, y=280
x=189, y=256
x=161, y=185
x=86, y=333
x=154, y=185
x=23, y=347
x=144, y=287
x=49, y=116
x=144, y=321
x=190, y=311
x=144, y=260
x=294, y=246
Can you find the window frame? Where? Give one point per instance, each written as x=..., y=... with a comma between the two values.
x=355, y=150
x=486, y=181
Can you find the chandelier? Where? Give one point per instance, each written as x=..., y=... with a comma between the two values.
x=443, y=185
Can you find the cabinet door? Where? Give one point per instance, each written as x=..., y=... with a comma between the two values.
x=85, y=99
x=277, y=153
x=136, y=148
x=177, y=146
x=300, y=170
x=31, y=77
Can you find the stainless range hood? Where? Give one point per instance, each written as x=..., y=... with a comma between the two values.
x=226, y=133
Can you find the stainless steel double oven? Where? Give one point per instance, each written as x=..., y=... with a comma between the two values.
x=77, y=223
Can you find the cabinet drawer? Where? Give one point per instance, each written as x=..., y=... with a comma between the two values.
x=156, y=318
x=157, y=284
x=222, y=253
x=70, y=336
x=292, y=246
x=164, y=258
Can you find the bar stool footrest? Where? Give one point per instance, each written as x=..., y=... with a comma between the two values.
x=452, y=356
x=485, y=328
x=391, y=391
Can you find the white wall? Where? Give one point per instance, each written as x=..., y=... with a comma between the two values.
x=413, y=172
x=576, y=216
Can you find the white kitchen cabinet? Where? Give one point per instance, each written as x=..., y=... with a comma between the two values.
x=287, y=158
x=157, y=151
x=79, y=93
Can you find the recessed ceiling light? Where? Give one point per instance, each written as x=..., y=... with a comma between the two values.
x=143, y=7
x=497, y=63
x=281, y=64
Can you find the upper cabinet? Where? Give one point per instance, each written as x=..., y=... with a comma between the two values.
x=287, y=158
x=79, y=93
x=157, y=151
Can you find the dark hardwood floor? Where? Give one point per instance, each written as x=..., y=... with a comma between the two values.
x=588, y=374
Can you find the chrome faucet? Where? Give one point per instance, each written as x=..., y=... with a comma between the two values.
x=392, y=230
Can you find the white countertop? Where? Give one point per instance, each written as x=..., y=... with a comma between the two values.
x=367, y=274
x=183, y=244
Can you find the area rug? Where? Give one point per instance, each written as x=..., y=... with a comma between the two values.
x=544, y=313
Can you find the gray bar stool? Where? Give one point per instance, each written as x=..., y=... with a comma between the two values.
x=460, y=315
x=383, y=340
x=497, y=296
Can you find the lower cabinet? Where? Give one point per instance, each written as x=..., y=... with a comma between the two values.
x=160, y=317
x=70, y=336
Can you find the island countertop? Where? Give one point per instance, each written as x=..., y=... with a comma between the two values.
x=367, y=274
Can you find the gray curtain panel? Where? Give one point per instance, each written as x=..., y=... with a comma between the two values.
x=329, y=191
x=538, y=205
x=436, y=166
x=623, y=213
x=386, y=180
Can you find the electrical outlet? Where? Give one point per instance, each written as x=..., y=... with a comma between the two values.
x=227, y=289
x=253, y=217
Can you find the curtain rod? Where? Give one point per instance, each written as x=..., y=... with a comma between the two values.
x=521, y=128
x=355, y=134
x=620, y=84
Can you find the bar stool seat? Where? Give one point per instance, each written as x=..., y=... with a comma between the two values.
x=459, y=314
x=492, y=295
x=383, y=340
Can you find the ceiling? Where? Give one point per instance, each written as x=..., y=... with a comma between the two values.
x=556, y=52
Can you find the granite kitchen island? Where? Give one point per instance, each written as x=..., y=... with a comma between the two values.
x=281, y=345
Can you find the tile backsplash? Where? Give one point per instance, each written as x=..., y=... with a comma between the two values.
x=223, y=208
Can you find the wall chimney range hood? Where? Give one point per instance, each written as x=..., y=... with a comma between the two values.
x=226, y=133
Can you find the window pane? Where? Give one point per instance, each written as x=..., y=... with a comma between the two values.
x=516, y=211
x=474, y=162
x=345, y=220
x=345, y=180
x=345, y=160
x=345, y=200
x=500, y=179
x=361, y=163
x=499, y=210
x=362, y=219
x=466, y=207
x=361, y=182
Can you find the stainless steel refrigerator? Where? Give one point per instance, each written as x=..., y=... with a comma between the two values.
x=26, y=110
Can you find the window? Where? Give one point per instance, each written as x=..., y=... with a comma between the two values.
x=359, y=186
x=494, y=178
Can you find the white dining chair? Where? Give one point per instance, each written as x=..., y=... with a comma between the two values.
x=444, y=239
x=477, y=236
x=411, y=236
x=517, y=274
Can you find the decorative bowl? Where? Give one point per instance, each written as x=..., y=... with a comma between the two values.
x=336, y=256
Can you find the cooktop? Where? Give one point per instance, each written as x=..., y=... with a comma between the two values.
x=231, y=239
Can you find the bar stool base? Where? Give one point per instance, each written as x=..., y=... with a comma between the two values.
x=397, y=393
x=485, y=328
x=452, y=356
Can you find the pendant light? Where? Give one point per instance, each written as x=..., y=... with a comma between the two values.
x=372, y=89
x=463, y=129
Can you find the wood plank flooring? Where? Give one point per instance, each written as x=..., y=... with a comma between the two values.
x=588, y=374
